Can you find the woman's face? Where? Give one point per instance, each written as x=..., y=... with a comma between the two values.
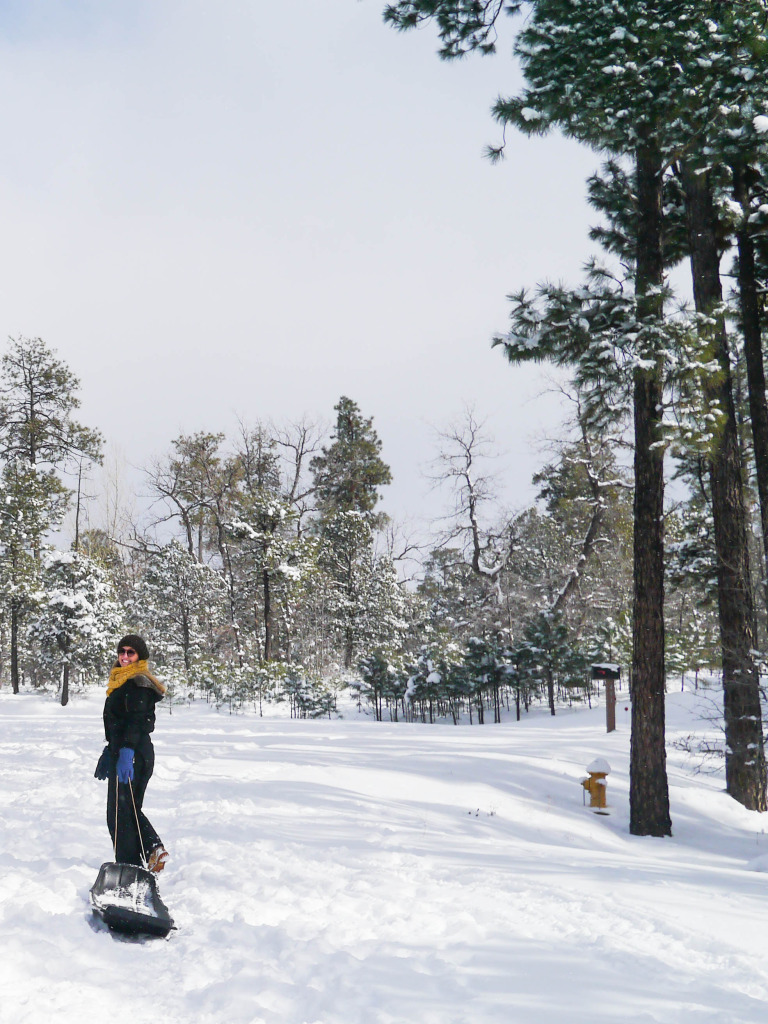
x=127, y=656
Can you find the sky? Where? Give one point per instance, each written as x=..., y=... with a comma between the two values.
x=244, y=210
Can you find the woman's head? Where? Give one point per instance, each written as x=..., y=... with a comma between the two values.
x=132, y=648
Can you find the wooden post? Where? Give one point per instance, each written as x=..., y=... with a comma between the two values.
x=608, y=674
x=610, y=705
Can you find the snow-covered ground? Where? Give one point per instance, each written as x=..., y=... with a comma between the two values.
x=349, y=872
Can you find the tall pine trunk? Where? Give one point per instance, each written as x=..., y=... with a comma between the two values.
x=14, y=646
x=753, y=352
x=648, y=787
x=229, y=579
x=65, y=685
x=744, y=757
x=186, y=641
x=267, y=590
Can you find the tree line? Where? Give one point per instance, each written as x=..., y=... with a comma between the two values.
x=262, y=568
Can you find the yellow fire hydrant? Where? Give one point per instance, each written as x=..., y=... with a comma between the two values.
x=595, y=783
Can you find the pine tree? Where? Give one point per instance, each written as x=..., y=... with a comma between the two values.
x=347, y=476
x=549, y=655
x=349, y=472
x=32, y=501
x=197, y=483
x=273, y=564
x=346, y=557
x=745, y=763
x=384, y=617
x=456, y=598
x=429, y=677
x=180, y=604
x=379, y=681
x=488, y=664
x=722, y=176
x=38, y=394
x=76, y=617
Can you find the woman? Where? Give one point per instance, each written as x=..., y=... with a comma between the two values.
x=129, y=718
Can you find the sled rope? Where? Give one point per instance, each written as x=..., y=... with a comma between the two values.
x=117, y=801
x=138, y=826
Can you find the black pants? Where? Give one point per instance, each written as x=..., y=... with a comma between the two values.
x=122, y=798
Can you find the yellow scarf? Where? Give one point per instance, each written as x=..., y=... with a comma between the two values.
x=119, y=675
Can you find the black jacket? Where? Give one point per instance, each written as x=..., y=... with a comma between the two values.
x=129, y=715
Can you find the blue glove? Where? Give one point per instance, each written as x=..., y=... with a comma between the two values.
x=125, y=765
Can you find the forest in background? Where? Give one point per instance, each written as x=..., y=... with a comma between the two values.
x=262, y=570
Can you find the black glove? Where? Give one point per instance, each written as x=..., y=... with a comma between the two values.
x=104, y=765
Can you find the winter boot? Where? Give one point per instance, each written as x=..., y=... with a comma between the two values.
x=157, y=858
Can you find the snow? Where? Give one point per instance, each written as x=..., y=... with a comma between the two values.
x=137, y=897
x=354, y=872
x=761, y=124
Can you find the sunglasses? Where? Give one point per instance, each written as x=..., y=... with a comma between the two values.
x=126, y=650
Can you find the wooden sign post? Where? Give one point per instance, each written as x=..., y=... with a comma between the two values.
x=609, y=674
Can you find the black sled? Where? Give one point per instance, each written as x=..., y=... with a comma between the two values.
x=126, y=898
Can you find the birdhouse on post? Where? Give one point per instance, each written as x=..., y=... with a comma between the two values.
x=608, y=673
